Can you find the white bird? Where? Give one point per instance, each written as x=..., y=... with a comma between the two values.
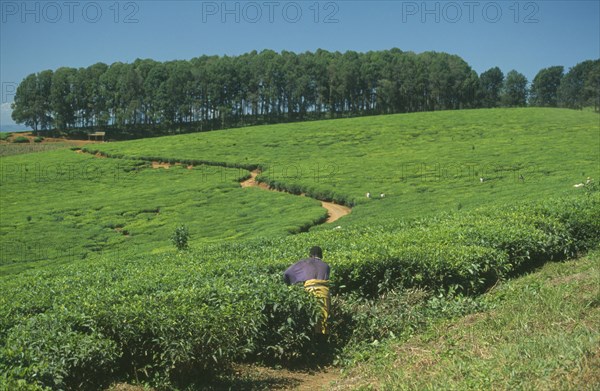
x=381, y=195
x=578, y=185
x=368, y=195
x=481, y=179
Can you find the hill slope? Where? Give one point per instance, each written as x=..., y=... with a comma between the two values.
x=424, y=163
x=541, y=332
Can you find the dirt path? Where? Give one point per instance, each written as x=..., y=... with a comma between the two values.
x=254, y=377
x=165, y=165
x=285, y=379
x=252, y=182
x=334, y=211
x=160, y=165
x=264, y=377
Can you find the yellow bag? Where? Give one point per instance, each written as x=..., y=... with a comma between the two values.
x=320, y=289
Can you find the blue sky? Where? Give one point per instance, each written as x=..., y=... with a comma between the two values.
x=522, y=35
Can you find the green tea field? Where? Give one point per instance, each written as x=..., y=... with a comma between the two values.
x=445, y=206
x=423, y=163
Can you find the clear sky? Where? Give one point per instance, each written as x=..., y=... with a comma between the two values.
x=522, y=35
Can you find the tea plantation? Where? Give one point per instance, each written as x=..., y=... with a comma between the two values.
x=122, y=305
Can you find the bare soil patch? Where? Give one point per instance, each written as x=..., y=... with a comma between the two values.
x=156, y=164
x=335, y=211
x=252, y=182
x=285, y=379
x=254, y=377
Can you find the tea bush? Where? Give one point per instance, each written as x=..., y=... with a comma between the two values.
x=165, y=317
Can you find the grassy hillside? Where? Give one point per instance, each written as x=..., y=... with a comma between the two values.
x=107, y=298
x=62, y=205
x=424, y=163
x=538, y=332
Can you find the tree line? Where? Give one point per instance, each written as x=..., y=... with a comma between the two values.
x=148, y=97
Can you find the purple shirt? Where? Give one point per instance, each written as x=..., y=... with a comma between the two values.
x=306, y=269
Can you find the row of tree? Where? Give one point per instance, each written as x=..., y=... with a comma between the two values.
x=551, y=87
x=210, y=92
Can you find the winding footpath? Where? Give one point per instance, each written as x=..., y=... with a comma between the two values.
x=334, y=211
x=278, y=379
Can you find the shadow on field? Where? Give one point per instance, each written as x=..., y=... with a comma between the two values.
x=250, y=377
x=312, y=370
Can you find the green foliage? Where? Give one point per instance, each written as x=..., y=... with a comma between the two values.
x=579, y=216
x=20, y=140
x=290, y=316
x=20, y=149
x=591, y=186
x=491, y=84
x=528, y=333
x=32, y=101
x=5, y=135
x=545, y=86
x=126, y=208
x=133, y=321
x=395, y=315
x=122, y=305
x=425, y=163
x=333, y=84
x=576, y=89
x=180, y=238
x=38, y=139
x=165, y=317
x=514, y=91
x=60, y=350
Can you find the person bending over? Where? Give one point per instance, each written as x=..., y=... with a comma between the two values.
x=313, y=273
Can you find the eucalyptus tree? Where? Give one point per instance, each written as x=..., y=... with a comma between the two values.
x=545, y=85
x=514, y=92
x=63, y=97
x=491, y=82
x=580, y=86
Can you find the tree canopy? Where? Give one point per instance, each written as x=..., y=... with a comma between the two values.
x=210, y=92
x=514, y=90
x=544, y=89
